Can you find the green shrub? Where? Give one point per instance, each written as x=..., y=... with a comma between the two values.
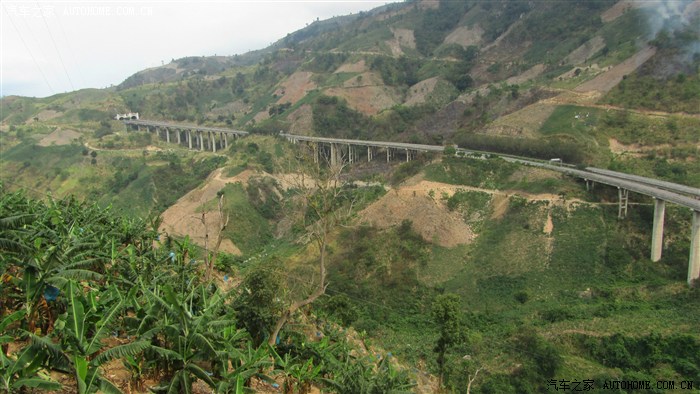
x=405, y=171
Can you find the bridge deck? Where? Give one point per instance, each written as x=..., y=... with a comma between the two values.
x=183, y=126
x=674, y=187
x=376, y=144
x=616, y=181
x=663, y=190
x=659, y=189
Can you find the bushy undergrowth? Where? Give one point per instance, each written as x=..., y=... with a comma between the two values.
x=569, y=151
x=139, y=189
x=249, y=229
x=486, y=172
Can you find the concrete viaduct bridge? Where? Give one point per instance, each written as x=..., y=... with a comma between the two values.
x=350, y=151
x=194, y=136
x=338, y=150
x=660, y=191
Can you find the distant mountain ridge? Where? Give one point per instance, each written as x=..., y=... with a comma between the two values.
x=433, y=72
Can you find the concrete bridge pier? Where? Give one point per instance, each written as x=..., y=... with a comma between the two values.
x=388, y=154
x=351, y=154
x=200, y=136
x=623, y=198
x=657, y=232
x=167, y=134
x=408, y=155
x=189, y=138
x=225, y=140
x=334, y=154
x=590, y=185
x=212, y=140
x=369, y=154
x=316, y=153
x=694, y=263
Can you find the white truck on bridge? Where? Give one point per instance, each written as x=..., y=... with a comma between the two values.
x=129, y=116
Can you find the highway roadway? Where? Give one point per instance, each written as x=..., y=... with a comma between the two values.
x=679, y=194
x=377, y=144
x=633, y=183
x=152, y=123
x=670, y=186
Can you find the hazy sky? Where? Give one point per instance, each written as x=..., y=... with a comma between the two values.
x=60, y=46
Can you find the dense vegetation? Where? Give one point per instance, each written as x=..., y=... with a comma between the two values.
x=568, y=151
x=669, y=82
x=83, y=287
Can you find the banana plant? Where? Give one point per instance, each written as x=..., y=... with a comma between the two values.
x=298, y=374
x=54, y=258
x=17, y=212
x=389, y=379
x=365, y=377
x=26, y=368
x=136, y=368
x=188, y=328
x=243, y=364
x=88, y=321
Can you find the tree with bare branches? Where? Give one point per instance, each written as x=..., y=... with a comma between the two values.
x=211, y=255
x=320, y=201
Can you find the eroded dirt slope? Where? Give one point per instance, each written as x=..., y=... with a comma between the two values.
x=183, y=218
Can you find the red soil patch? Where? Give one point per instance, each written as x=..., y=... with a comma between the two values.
x=296, y=87
x=369, y=100
x=59, y=137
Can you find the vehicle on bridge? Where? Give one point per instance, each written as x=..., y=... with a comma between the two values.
x=129, y=116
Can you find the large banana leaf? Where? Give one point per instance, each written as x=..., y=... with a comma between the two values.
x=103, y=327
